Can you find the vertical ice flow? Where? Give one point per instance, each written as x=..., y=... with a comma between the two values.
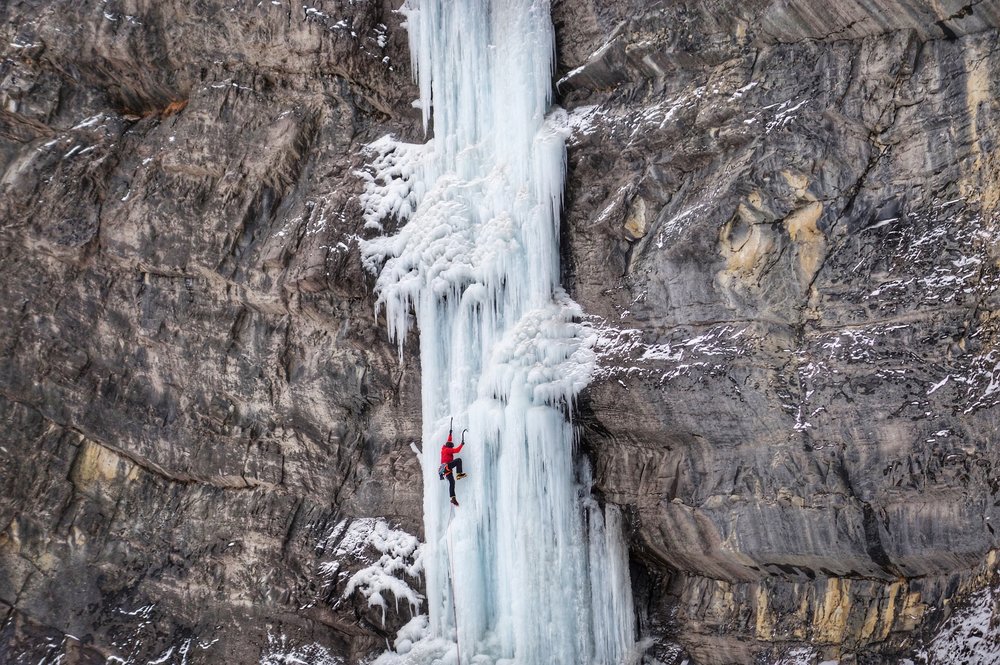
x=529, y=569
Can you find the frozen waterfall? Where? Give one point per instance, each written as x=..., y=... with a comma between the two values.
x=529, y=570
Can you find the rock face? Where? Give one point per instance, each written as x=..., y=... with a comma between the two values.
x=783, y=219
x=193, y=387
x=780, y=216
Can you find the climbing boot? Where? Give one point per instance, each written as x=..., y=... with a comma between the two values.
x=461, y=475
x=454, y=501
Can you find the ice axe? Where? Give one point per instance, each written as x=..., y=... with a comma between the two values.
x=451, y=428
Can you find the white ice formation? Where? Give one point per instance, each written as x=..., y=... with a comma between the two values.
x=529, y=570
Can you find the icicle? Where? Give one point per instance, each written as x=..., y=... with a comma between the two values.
x=528, y=568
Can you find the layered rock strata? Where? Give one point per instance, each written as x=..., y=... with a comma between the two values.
x=780, y=217
x=194, y=390
x=783, y=220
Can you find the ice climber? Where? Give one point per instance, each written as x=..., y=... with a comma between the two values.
x=451, y=463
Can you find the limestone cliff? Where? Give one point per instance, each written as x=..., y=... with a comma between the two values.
x=783, y=218
x=194, y=390
x=779, y=216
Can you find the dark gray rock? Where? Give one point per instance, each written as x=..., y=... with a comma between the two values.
x=783, y=222
x=193, y=387
x=780, y=217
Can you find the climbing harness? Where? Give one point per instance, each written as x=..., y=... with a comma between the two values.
x=444, y=470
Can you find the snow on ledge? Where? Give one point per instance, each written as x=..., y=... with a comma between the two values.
x=398, y=556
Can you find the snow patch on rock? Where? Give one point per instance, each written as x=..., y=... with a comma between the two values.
x=393, y=557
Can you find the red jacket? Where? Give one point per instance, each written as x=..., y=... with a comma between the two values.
x=447, y=453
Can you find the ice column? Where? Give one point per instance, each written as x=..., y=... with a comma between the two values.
x=540, y=572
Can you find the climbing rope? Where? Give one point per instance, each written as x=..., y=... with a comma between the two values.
x=451, y=569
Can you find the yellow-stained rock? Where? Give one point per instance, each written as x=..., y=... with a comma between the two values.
x=745, y=243
x=77, y=539
x=636, y=224
x=801, y=223
x=872, y=617
x=913, y=612
x=98, y=469
x=10, y=538
x=764, y=620
x=810, y=243
x=718, y=602
x=799, y=183
x=830, y=620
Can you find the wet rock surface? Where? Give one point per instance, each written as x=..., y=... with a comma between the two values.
x=780, y=217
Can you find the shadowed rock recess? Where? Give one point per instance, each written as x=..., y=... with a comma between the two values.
x=780, y=218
